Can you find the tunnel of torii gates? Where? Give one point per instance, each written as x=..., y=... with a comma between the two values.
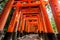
x=29, y=16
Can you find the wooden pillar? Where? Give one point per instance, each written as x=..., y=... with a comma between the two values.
x=47, y=22
x=55, y=6
x=4, y=15
x=12, y=25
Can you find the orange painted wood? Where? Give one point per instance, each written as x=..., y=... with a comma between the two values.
x=13, y=21
x=47, y=22
x=5, y=14
x=55, y=6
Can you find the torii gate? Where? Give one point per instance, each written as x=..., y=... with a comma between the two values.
x=18, y=5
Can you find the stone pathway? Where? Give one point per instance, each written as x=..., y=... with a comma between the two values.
x=30, y=37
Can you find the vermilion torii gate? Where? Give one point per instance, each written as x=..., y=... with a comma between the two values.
x=29, y=16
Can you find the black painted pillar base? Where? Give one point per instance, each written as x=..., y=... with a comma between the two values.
x=41, y=34
x=51, y=36
x=1, y=34
x=47, y=36
x=14, y=37
x=58, y=36
x=8, y=36
x=18, y=34
x=25, y=33
x=21, y=34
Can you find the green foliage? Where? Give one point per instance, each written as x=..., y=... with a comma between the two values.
x=53, y=24
x=48, y=6
x=52, y=19
x=2, y=4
